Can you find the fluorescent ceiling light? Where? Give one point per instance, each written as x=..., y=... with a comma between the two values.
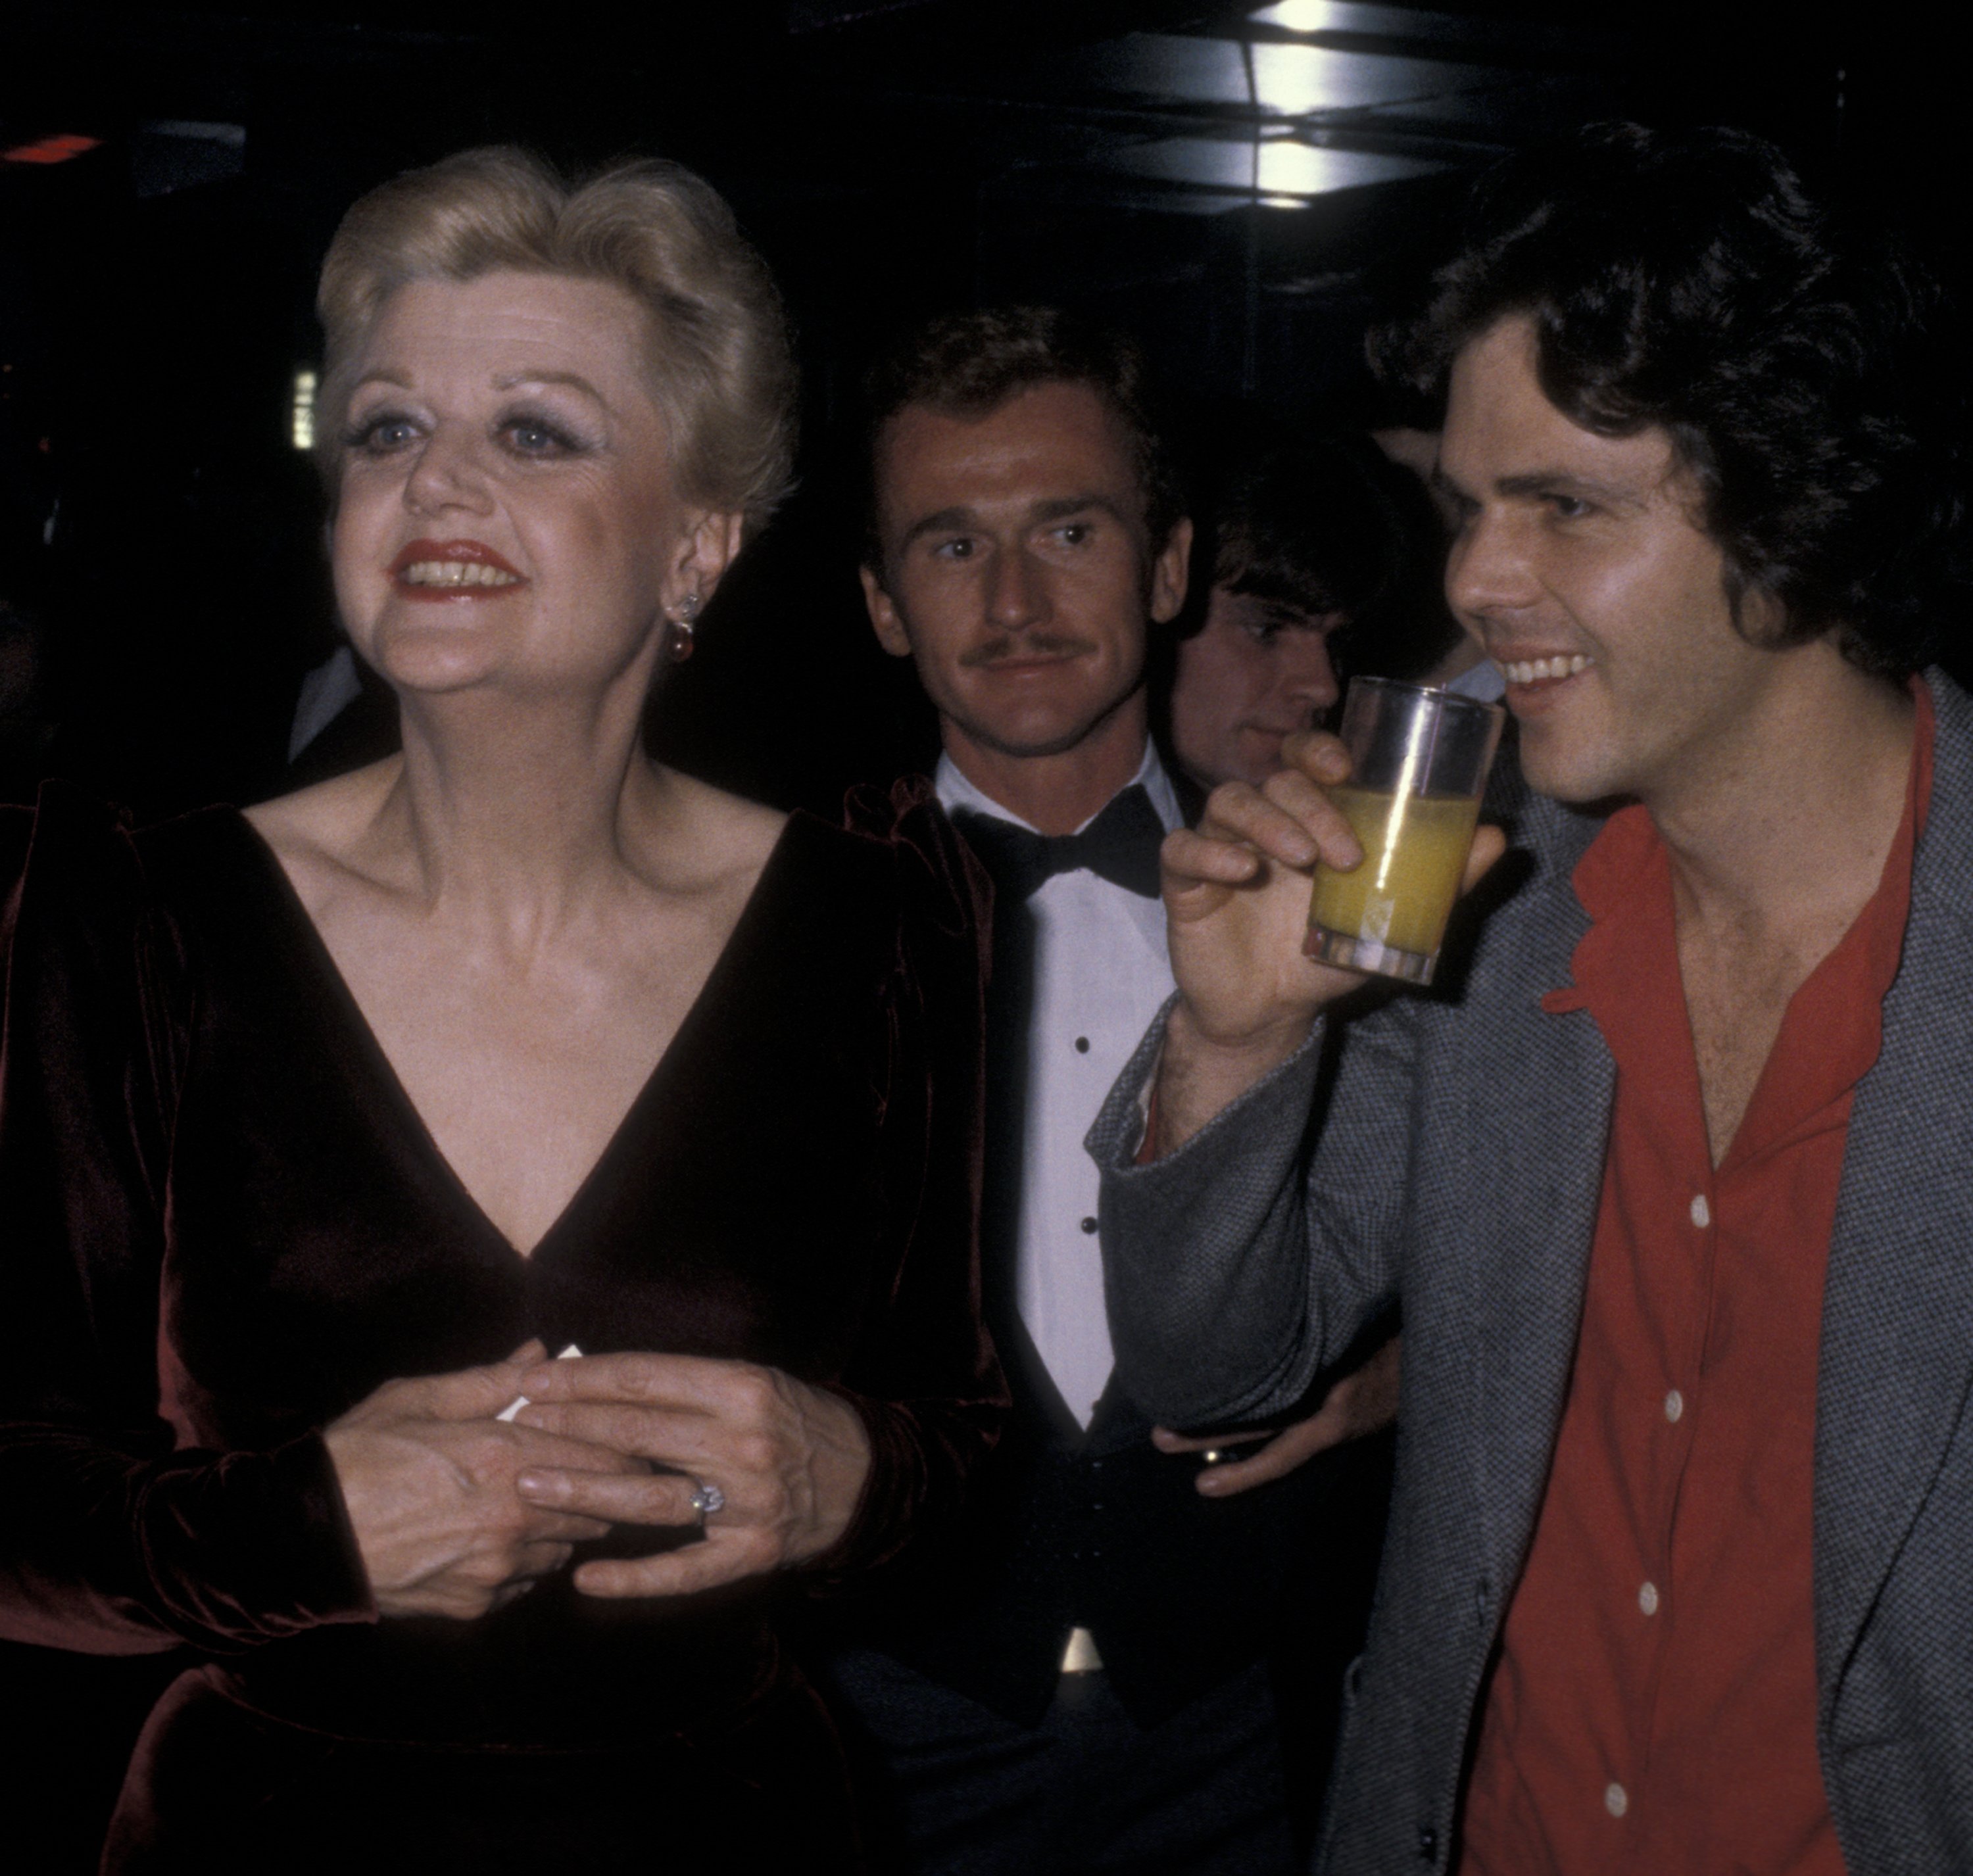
x=1301, y=16
x=1295, y=80
x=1286, y=168
x=1282, y=167
x=1290, y=77
x=1351, y=16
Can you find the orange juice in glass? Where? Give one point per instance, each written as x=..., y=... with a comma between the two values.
x=1419, y=759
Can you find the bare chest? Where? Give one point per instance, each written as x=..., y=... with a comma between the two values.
x=521, y=1076
x=1737, y=994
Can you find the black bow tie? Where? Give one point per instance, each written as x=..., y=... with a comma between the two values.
x=1121, y=846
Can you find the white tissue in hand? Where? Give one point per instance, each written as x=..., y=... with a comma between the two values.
x=520, y=1400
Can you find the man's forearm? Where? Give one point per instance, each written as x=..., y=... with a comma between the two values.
x=1198, y=1076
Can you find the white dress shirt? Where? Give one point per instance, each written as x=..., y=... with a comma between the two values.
x=1101, y=971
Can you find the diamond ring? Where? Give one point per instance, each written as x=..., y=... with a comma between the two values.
x=707, y=1499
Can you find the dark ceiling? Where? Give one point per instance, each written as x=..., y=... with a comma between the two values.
x=1245, y=185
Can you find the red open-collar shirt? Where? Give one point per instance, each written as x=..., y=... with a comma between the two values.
x=1654, y=1706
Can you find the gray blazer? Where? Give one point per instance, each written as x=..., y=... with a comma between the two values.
x=1457, y=1165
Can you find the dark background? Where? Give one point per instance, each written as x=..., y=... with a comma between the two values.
x=1245, y=185
x=890, y=159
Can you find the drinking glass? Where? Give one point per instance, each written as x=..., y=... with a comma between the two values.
x=1419, y=758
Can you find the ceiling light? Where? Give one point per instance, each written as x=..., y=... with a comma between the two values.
x=1279, y=167
x=1353, y=16
x=1294, y=79
x=1285, y=167
x=1300, y=16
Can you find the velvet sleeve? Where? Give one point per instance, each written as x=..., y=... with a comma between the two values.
x=924, y=1375
x=114, y=1538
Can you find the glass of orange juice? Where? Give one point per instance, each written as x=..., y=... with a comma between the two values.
x=1419, y=759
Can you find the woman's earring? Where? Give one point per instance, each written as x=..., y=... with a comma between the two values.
x=678, y=639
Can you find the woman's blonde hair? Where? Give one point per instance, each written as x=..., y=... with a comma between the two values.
x=723, y=374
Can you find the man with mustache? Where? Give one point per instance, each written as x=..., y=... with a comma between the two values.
x=1082, y=1679
x=1678, y=1198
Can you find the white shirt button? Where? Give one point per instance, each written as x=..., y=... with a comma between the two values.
x=1648, y=1599
x=1702, y=1213
x=1616, y=1799
x=1674, y=1405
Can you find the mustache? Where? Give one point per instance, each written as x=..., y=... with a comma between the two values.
x=1007, y=648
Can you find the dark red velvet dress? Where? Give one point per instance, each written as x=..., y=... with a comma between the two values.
x=222, y=1223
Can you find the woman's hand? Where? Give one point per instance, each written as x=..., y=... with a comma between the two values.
x=428, y=1473
x=789, y=1460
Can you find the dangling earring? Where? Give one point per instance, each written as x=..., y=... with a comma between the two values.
x=678, y=639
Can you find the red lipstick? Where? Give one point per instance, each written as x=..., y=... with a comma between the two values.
x=434, y=570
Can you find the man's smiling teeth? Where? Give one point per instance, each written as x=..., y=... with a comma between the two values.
x=457, y=573
x=1531, y=670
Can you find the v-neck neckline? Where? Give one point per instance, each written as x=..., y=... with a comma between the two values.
x=383, y=1071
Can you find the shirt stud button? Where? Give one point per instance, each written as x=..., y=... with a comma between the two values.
x=1702, y=1213
x=1648, y=1599
x=1089, y=1225
x=1674, y=1405
x=1616, y=1799
x=1082, y=1045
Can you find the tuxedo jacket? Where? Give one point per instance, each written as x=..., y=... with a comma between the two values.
x=1098, y=1529
x=1457, y=1165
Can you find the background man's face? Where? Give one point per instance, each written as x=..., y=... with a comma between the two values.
x=1253, y=672
x=1581, y=567
x=1014, y=565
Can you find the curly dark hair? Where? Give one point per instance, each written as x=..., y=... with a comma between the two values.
x=1684, y=280
x=969, y=363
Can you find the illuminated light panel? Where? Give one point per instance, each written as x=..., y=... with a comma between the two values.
x=1284, y=201
x=1289, y=77
x=1285, y=167
x=301, y=415
x=1302, y=16
x=1289, y=169
x=56, y=150
x=1295, y=80
x=1350, y=16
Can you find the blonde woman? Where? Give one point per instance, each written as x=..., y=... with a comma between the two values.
x=322, y=1126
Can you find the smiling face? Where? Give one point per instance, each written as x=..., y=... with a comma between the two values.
x=1254, y=672
x=1014, y=571
x=506, y=511
x=1581, y=567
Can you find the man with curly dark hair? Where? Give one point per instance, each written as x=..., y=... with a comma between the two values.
x=1678, y=1200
